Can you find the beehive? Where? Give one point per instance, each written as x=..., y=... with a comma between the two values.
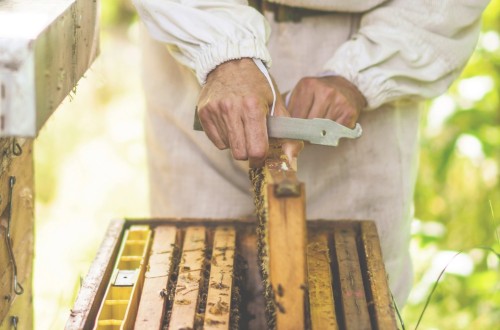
x=202, y=273
x=278, y=271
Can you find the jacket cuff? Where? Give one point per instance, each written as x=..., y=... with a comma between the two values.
x=213, y=55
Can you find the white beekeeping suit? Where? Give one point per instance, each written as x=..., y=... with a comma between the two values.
x=396, y=52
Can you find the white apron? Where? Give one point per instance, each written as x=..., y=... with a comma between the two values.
x=369, y=178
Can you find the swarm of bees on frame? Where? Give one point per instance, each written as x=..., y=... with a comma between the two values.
x=257, y=179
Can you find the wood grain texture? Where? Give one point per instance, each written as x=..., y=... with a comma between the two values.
x=21, y=233
x=35, y=74
x=152, y=303
x=378, y=293
x=84, y=311
x=319, y=275
x=12, y=164
x=189, y=280
x=360, y=295
x=21, y=306
x=287, y=241
x=352, y=291
x=220, y=286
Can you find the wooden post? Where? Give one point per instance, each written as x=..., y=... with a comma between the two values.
x=45, y=48
x=20, y=166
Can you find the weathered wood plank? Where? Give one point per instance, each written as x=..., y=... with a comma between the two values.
x=355, y=309
x=21, y=307
x=380, y=302
x=21, y=233
x=220, y=286
x=14, y=155
x=189, y=280
x=84, y=311
x=152, y=304
x=45, y=48
x=287, y=235
x=319, y=275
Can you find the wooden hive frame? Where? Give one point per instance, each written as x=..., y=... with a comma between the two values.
x=323, y=275
x=330, y=278
x=280, y=204
x=352, y=292
x=346, y=280
x=119, y=307
x=192, y=280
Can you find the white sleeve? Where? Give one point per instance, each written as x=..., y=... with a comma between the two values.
x=409, y=48
x=206, y=33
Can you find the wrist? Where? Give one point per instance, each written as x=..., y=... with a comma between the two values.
x=230, y=66
x=355, y=94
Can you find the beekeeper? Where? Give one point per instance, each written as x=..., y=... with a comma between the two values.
x=366, y=61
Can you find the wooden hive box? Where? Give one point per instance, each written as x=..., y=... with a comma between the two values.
x=277, y=272
x=202, y=273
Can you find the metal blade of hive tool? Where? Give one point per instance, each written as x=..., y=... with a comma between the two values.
x=316, y=131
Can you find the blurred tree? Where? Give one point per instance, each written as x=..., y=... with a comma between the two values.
x=117, y=13
x=458, y=186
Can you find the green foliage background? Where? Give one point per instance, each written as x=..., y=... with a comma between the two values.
x=457, y=198
x=457, y=201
